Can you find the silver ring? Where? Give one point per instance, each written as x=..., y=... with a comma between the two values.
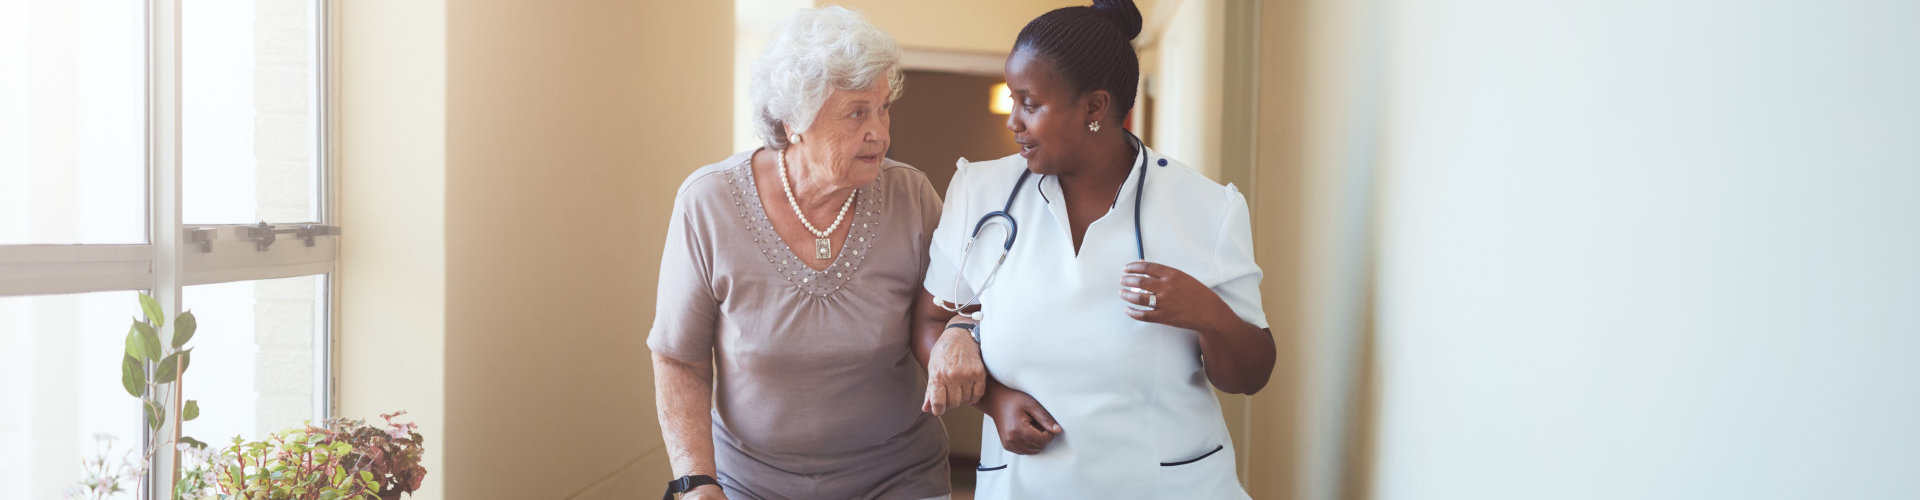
x=1153, y=300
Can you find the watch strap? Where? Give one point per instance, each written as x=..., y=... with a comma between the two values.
x=688, y=483
x=972, y=330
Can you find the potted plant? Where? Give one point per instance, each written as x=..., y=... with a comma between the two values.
x=341, y=459
x=346, y=458
x=392, y=454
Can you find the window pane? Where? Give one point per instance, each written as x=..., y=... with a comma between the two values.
x=60, y=379
x=255, y=355
x=248, y=118
x=72, y=122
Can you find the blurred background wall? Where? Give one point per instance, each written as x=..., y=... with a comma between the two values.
x=1637, y=249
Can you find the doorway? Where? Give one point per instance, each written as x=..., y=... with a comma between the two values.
x=945, y=116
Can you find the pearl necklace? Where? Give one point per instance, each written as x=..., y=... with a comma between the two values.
x=822, y=245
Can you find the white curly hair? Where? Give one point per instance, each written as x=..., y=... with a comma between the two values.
x=810, y=54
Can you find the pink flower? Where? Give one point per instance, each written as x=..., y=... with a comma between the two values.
x=400, y=431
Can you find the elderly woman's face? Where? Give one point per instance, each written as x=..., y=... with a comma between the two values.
x=849, y=136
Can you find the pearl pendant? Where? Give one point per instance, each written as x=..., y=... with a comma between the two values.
x=822, y=248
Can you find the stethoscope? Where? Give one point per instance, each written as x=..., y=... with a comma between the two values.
x=1013, y=230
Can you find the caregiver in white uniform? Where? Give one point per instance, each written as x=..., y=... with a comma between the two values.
x=1100, y=367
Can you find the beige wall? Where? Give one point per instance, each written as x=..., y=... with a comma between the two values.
x=569, y=127
x=507, y=169
x=1309, y=434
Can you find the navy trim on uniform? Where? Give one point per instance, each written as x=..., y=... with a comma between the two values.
x=1216, y=449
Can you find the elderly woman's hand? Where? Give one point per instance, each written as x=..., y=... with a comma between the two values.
x=955, y=375
x=1025, y=427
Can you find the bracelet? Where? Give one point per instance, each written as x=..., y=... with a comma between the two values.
x=973, y=330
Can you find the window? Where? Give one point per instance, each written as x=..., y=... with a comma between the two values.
x=173, y=148
x=72, y=116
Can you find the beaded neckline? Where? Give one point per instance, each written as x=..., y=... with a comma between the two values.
x=781, y=259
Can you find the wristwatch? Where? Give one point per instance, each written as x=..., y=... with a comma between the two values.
x=972, y=329
x=688, y=483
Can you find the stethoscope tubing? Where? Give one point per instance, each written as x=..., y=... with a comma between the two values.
x=1013, y=225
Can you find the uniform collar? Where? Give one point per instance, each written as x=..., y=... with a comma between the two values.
x=1049, y=186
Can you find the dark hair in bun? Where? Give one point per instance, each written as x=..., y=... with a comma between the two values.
x=1091, y=47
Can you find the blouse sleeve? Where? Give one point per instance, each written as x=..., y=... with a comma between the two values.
x=686, y=310
x=1239, y=275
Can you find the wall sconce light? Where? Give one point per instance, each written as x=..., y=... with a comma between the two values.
x=1000, y=100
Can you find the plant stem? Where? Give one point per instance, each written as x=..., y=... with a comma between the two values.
x=180, y=379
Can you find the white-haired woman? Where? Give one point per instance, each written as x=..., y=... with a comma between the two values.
x=781, y=355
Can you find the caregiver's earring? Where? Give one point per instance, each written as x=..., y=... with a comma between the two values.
x=793, y=139
x=1093, y=126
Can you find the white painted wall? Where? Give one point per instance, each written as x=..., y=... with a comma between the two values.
x=391, y=347
x=1650, y=249
x=1186, y=85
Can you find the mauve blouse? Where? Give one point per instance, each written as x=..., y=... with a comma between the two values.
x=817, y=392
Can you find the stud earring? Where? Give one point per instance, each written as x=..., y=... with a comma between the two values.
x=793, y=139
x=1093, y=126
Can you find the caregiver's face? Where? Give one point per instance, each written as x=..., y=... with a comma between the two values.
x=849, y=136
x=1048, y=116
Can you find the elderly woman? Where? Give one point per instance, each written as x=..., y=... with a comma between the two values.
x=780, y=342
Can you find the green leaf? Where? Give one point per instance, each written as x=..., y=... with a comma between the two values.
x=191, y=411
x=152, y=307
x=136, y=346
x=149, y=340
x=167, y=372
x=133, y=376
x=183, y=327
x=190, y=441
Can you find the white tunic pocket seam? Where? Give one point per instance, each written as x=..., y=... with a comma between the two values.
x=1203, y=456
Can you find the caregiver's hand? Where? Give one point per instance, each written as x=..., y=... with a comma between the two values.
x=956, y=376
x=1176, y=299
x=1025, y=426
x=1238, y=355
